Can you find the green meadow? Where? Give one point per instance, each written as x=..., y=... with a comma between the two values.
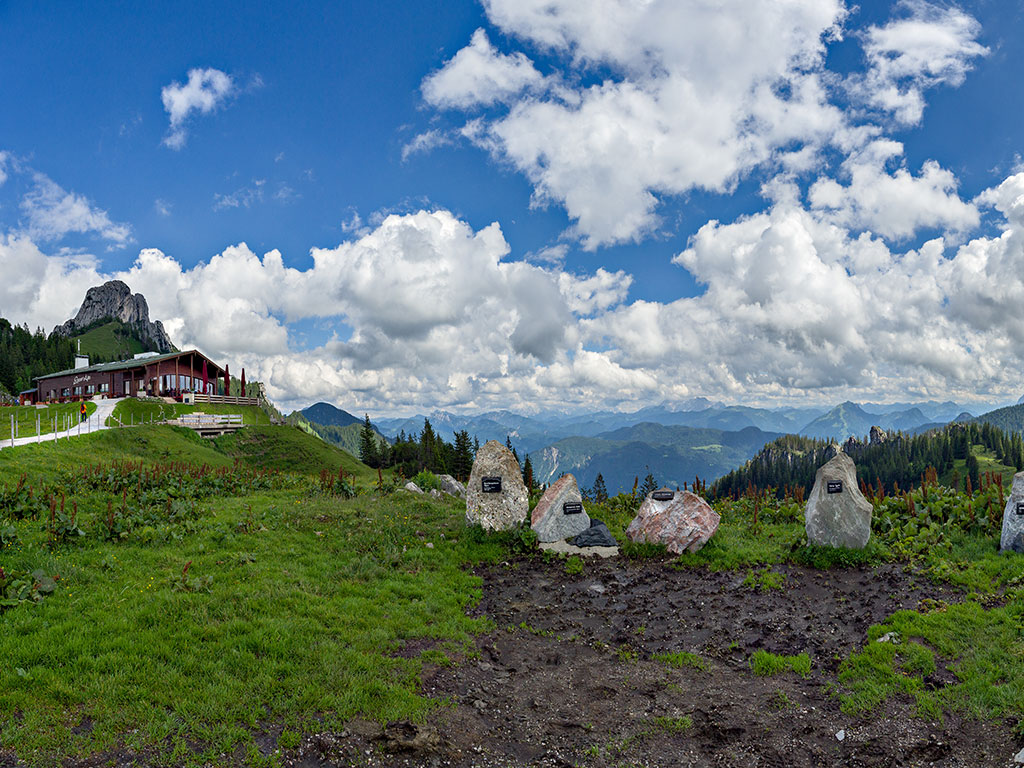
x=178, y=596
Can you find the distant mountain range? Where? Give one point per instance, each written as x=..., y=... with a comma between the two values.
x=673, y=442
x=674, y=454
x=532, y=433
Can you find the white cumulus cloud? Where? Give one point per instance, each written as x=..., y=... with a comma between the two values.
x=894, y=204
x=480, y=75
x=930, y=45
x=52, y=212
x=204, y=91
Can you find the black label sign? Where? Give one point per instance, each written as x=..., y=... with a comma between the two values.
x=835, y=486
x=1020, y=508
x=572, y=508
x=663, y=495
x=491, y=485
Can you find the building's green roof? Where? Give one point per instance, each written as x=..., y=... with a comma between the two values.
x=122, y=365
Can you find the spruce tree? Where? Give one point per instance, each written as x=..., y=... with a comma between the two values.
x=462, y=464
x=649, y=486
x=528, y=473
x=368, y=453
x=599, y=491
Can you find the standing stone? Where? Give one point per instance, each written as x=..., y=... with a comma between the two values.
x=1013, y=517
x=496, y=498
x=837, y=514
x=560, y=514
x=680, y=520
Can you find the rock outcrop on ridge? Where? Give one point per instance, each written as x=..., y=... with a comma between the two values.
x=114, y=301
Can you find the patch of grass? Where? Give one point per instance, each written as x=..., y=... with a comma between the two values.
x=642, y=550
x=780, y=700
x=764, y=663
x=764, y=580
x=680, y=659
x=574, y=565
x=627, y=654
x=674, y=725
x=981, y=647
x=826, y=558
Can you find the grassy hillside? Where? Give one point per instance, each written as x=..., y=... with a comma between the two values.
x=110, y=341
x=346, y=437
x=289, y=449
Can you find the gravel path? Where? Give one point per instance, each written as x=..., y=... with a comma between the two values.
x=96, y=421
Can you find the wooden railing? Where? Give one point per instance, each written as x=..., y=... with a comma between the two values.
x=224, y=399
x=208, y=419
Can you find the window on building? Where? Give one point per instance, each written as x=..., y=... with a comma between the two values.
x=66, y=392
x=91, y=389
x=104, y=387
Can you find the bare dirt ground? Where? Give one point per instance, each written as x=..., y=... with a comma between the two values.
x=567, y=678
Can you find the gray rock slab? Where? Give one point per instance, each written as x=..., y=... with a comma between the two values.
x=1012, y=537
x=565, y=548
x=451, y=486
x=560, y=514
x=597, y=535
x=412, y=487
x=496, y=498
x=837, y=514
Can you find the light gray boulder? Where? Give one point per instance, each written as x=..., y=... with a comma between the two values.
x=451, y=486
x=412, y=487
x=837, y=514
x=496, y=498
x=560, y=514
x=1012, y=537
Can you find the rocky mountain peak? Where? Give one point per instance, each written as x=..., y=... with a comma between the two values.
x=114, y=301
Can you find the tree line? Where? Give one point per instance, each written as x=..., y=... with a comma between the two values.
x=25, y=355
x=428, y=451
x=791, y=461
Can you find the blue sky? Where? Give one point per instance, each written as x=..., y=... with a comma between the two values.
x=533, y=205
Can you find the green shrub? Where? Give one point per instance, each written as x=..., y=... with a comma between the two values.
x=427, y=481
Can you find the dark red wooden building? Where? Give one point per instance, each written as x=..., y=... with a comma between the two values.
x=167, y=375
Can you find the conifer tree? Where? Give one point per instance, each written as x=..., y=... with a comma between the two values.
x=462, y=464
x=649, y=486
x=368, y=453
x=528, y=473
x=599, y=492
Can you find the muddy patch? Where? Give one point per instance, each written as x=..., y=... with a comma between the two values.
x=568, y=676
